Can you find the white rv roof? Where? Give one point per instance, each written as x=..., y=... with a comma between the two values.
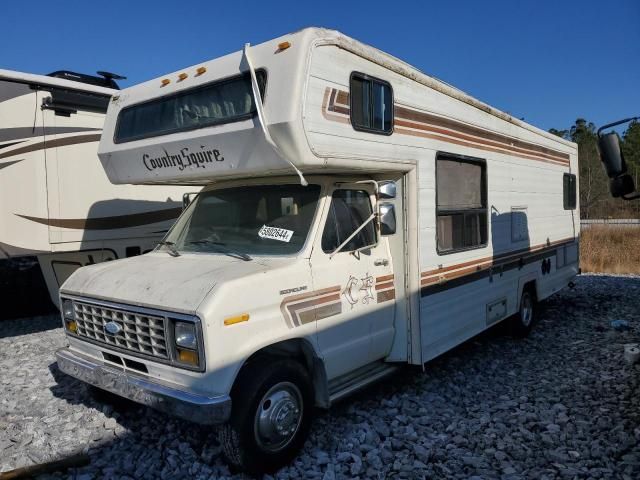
x=186, y=155
x=405, y=69
x=31, y=78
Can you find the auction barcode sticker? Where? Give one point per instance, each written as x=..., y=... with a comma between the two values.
x=275, y=233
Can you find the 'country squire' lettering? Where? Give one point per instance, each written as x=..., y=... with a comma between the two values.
x=186, y=158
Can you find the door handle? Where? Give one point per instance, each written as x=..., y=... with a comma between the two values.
x=381, y=262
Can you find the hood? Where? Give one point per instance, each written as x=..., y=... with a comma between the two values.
x=158, y=280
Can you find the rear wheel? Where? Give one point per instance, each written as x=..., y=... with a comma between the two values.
x=270, y=418
x=522, y=322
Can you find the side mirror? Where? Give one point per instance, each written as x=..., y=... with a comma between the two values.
x=621, y=183
x=611, y=154
x=387, y=218
x=387, y=189
x=187, y=199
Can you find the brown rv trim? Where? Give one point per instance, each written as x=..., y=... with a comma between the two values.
x=474, y=145
x=57, y=142
x=496, y=258
x=437, y=283
x=385, y=278
x=315, y=298
x=11, y=144
x=386, y=296
x=6, y=164
x=326, y=109
x=23, y=133
x=109, y=223
x=465, y=135
x=382, y=286
x=421, y=117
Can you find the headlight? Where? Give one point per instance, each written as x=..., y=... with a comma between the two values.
x=67, y=309
x=185, y=334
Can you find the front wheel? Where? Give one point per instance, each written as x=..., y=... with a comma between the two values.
x=271, y=416
x=522, y=322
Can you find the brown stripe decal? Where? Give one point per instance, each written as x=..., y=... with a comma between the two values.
x=335, y=107
x=382, y=286
x=308, y=307
x=6, y=164
x=442, y=275
x=385, y=288
x=384, y=278
x=58, y=142
x=386, y=296
x=109, y=223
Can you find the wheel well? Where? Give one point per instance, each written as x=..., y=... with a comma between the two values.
x=300, y=350
x=531, y=287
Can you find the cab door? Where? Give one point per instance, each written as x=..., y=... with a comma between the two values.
x=354, y=280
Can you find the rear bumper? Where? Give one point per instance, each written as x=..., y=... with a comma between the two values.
x=195, y=408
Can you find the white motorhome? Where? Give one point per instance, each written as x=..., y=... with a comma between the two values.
x=358, y=215
x=56, y=201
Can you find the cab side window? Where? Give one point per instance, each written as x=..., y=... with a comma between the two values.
x=348, y=210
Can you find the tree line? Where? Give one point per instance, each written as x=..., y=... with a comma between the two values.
x=595, y=200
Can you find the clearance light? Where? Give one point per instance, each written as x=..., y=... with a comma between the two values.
x=283, y=46
x=237, y=319
x=182, y=76
x=165, y=82
x=187, y=356
x=200, y=71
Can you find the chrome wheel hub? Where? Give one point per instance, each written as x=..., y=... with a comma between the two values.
x=526, y=310
x=278, y=416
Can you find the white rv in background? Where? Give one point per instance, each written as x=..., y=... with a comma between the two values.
x=359, y=215
x=56, y=202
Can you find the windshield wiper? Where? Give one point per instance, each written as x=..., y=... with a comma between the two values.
x=171, y=248
x=223, y=247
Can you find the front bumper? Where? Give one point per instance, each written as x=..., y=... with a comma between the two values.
x=195, y=408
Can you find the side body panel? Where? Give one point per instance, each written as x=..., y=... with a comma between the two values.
x=460, y=294
x=23, y=179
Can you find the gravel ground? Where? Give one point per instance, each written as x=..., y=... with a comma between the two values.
x=560, y=404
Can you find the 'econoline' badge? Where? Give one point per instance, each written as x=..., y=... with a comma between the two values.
x=112, y=328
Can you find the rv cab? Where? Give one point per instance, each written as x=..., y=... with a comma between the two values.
x=356, y=215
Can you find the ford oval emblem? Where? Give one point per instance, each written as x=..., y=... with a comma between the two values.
x=112, y=328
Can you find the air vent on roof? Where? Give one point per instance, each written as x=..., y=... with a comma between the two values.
x=106, y=79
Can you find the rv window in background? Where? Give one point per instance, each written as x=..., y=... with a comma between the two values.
x=226, y=101
x=569, y=191
x=371, y=104
x=461, y=199
x=348, y=210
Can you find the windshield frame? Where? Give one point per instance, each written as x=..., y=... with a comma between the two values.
x=313, y=226
x=261, y=75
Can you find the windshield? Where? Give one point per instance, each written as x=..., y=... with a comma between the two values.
x=241, y=221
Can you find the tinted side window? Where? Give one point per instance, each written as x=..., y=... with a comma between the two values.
x=371, y=104
x=348, y=210
x=569, y=191
x=216, y=103
x=461, y=190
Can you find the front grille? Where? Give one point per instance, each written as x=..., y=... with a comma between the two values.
x=139, y=333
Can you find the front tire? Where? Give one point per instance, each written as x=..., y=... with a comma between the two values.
x=270, y=417
x=522, y=322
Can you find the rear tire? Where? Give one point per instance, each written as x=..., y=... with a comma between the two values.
x=270, y=418
x=522, y=322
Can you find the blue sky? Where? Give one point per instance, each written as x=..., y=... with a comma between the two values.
x=547, y=61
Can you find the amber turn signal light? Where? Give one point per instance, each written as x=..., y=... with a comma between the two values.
x=187, y=356
x=237, y=319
